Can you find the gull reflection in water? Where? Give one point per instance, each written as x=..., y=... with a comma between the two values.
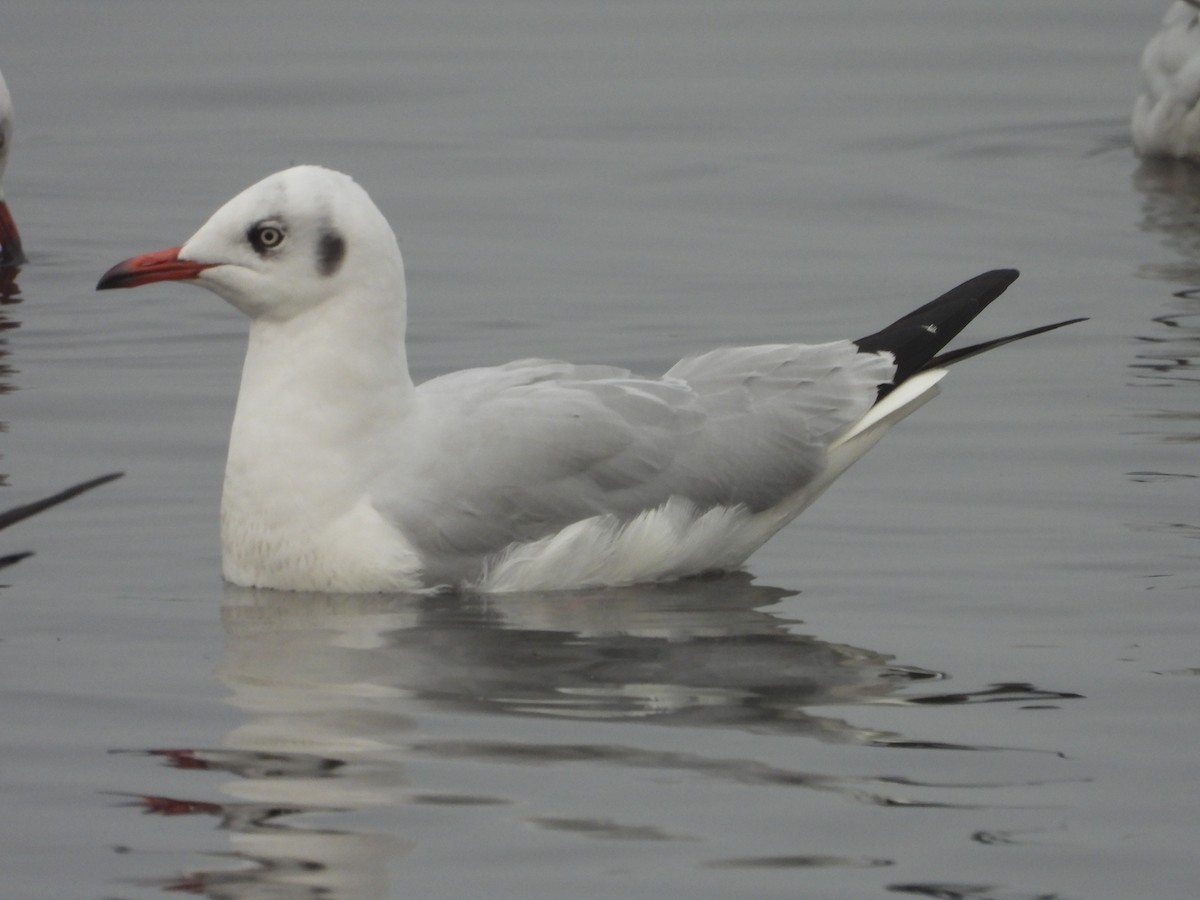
x=344, y=694
x=1166, y=366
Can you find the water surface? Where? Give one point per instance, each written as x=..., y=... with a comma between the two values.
x=968, y=671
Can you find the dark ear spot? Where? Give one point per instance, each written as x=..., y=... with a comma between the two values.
x=331, y=250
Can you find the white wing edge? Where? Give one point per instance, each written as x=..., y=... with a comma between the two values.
x=914, y=393
x=866, y=432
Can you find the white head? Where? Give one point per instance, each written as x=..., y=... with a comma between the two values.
x=283, y=246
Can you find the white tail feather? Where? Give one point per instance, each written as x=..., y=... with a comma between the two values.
x=860, y=437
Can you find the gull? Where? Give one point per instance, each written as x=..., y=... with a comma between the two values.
x=1166, y=120
x=344, y=476
x=10, y=239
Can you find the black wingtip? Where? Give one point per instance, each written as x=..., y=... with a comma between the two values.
x=17, y=513
x=962, y=353
x=915, y=339
x=13, y=558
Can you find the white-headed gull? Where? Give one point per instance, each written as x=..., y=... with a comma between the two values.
x=10, y=239
x=344, y=476
x=1166, y=115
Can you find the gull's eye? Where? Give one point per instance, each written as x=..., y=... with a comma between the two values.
x=265, y=236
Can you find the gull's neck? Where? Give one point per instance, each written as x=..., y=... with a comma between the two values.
x=323, y=396
x=326, y=373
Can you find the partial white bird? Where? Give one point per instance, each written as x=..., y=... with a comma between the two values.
x=344, y=476
x=10, y=238
x=1166, y=114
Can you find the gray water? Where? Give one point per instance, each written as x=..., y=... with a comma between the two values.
x=970, y=671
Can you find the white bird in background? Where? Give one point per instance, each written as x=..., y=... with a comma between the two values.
x=344, y=476
x=10, y=239
x=1166, y=115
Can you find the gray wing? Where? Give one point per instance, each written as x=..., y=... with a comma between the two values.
x=770, y=412
x=516, y=452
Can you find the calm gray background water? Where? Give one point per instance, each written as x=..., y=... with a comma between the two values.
x=969, y=671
